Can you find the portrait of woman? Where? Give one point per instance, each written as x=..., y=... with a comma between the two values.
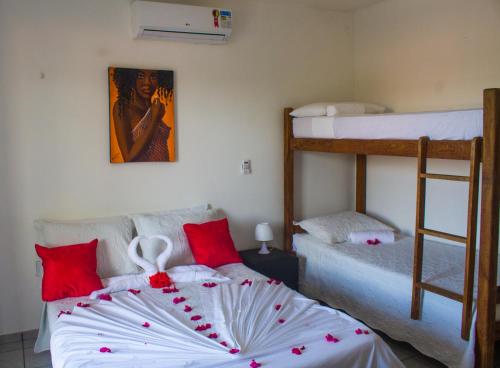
x=141, y=115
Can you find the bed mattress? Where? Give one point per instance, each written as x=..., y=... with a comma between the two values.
x=373, y=283
x=238, y=315
x=440, y=125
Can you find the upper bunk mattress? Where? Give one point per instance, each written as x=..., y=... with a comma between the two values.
x=440, y=125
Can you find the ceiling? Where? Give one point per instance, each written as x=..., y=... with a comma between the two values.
x=341, y=5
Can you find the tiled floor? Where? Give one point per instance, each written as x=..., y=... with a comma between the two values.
x=16, y=351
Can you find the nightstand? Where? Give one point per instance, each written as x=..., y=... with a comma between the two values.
x=277, y=265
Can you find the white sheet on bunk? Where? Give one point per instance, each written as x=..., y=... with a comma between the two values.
x=373, y=283
x=440, y=125
x=243, y=316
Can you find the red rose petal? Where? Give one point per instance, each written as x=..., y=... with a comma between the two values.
x=134, y=291
x=187, y=308
x=277, y=307
x=105, y=350
x=146, y=324
x=296, y=351
x=331, y=338
x=204, y=327
x=254, y=364
x=178, y=300
x=209, y=284
x=106, y=297
x=281, y=320
x=159, y=280
x=234, y=351
x=366, y=332
x=170, y=290
x=213, y=335
x=196, y=318
x=358, y=331
x=223, y=343
x=63, y=312
x=246, y=282
x=83, y=305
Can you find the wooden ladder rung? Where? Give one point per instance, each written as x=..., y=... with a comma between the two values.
x=443, y=235
x=443, y=292
x=445, y=177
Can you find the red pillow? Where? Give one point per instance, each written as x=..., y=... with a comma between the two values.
x=69, y=270
x=211, y=243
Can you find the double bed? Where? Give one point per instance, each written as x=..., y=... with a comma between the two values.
x=250, y=323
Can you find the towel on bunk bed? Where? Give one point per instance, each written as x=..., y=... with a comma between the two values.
x=371, y=237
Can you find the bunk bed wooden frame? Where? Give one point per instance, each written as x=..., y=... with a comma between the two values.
x=485, y=150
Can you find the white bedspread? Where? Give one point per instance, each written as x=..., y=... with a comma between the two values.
x=439, y=125
x=373, y=283
x=243, y=316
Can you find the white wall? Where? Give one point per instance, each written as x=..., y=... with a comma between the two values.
x=416, y=56
x=54, y=159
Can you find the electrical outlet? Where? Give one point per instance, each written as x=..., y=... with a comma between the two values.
x=246, y=167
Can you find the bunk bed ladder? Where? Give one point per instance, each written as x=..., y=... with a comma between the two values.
x=469, y=240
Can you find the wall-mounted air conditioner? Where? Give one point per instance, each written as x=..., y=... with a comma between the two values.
x=180, y=22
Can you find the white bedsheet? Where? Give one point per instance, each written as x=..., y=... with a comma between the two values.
x=373, y=283
x=244, y=316
x=439, y=125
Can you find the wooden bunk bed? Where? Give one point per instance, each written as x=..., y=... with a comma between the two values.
x=485, y=150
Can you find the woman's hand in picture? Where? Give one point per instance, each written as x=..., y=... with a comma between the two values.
x=157, y=110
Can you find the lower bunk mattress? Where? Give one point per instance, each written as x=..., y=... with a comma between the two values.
x=248, y=321
x=374, y=284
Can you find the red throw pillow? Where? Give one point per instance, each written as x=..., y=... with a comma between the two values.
x=211, y=243
x=69, y=270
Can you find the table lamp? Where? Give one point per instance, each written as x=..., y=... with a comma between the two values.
x=263, y=233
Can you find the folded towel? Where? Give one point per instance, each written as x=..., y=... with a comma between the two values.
x=371, y=237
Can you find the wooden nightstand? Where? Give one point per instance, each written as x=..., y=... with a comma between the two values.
x=277, y=265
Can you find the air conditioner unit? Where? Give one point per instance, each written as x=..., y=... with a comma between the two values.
x=180, y=22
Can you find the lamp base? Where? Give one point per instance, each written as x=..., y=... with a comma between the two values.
x=264, y=249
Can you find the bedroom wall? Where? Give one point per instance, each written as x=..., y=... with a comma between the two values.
x=417, y=56
x=54, y=159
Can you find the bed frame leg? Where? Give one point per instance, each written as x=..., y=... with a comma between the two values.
x=361, y=183
x=288, y=188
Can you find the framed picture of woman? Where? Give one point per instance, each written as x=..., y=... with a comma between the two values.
x=141, y=115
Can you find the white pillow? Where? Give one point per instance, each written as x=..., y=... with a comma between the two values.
x=314, y=109
x=336, y=228
x=170, y=224
x=114, y=235
x=354, y=108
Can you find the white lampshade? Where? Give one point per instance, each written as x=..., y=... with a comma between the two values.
x=263, y=232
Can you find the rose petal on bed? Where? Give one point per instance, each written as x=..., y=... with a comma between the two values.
x=170, y=290
x=331, y=338
x=106, y=297
x=134, y=291
x=204, y=327
x=358, y=331
x=234, y=351
x=246, y=282
x=63, y=312
x=254, y=364
x=179, y=299
x=281, y=320
x=366, y=332
x=223, y=343
x=196, y=318
x=213, y=335
x=209, y=284
x=277, y=307
x=146, y=324
x=104, y=349
x=83, y=305
x=187, y=308
x=297, y=351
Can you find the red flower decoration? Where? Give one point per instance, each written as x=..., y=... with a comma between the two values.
x=178, y=300
x=234, y=351
x=187, y=308
x=331, y=338
x=204, y=327
x=254, y=364
x=277, y=307
x=281, y=320
x=83, y=305
x=223, y=343
x=213, y=335
x=63, y=312
x=159, y=280
x=246, y=282
x=105, y=350
x=209, y=284
x=196, y=318
x=170, y=290
x=106, y=297
x=373, y=242
x=358, y=331
x=134, y=291
x=146, y=324
x=366, y=332
x=273, y=281
x=297, y=351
